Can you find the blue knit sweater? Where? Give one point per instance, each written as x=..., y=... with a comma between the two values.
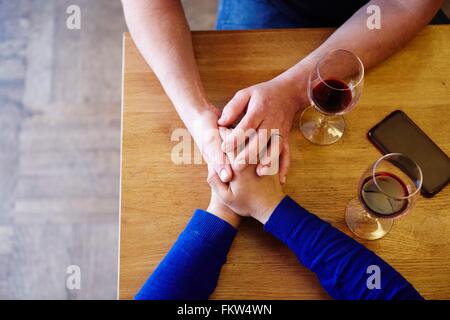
x=191, y=268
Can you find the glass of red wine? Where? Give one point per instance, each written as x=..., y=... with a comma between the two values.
x=387, y=190
x=334, y=87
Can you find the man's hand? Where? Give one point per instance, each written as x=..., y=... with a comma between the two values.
x=269, y=105
x=205, y=133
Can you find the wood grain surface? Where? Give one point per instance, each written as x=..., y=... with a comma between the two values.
x=158, y=197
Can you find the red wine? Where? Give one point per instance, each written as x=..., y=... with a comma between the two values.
x=380, y=203
x=332, y=95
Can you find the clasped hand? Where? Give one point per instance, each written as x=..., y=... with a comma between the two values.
x=247, y=194
x=252, y=188
x=264, y=107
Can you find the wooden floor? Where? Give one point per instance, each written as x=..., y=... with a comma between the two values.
x=60, y=148
x=60, y=107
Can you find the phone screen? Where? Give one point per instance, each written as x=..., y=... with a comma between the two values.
x=398, y=133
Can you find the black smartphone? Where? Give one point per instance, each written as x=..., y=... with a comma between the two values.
x=398, y=133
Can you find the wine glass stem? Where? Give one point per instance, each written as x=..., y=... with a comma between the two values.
x=323, y=121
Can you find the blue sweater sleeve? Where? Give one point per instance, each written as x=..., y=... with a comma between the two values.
x=340, y=263
x=191, y=269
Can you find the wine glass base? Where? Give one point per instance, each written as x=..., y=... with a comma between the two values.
x=363, y=225
x=320, y=129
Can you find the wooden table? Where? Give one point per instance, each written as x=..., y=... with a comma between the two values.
x=158, y=197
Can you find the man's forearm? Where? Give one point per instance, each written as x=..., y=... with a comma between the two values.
x=401, y=21
x=161, y=32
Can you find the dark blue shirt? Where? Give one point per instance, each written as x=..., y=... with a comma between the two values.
x=318, y=13
x=269, y=14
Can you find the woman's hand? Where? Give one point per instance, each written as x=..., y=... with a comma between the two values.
x=219, y=209
x=248, y=194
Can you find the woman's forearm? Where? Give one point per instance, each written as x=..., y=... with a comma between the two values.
x=191, y=269
x=161, y=33
x=341, y=263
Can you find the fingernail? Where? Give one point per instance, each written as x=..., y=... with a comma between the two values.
x=260, y=171
x=222, y=119
x=283, y=180
x=224, y=175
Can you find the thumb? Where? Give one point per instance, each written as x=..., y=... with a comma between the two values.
x=234, y=108
x=214, y=156
x=217, y=186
